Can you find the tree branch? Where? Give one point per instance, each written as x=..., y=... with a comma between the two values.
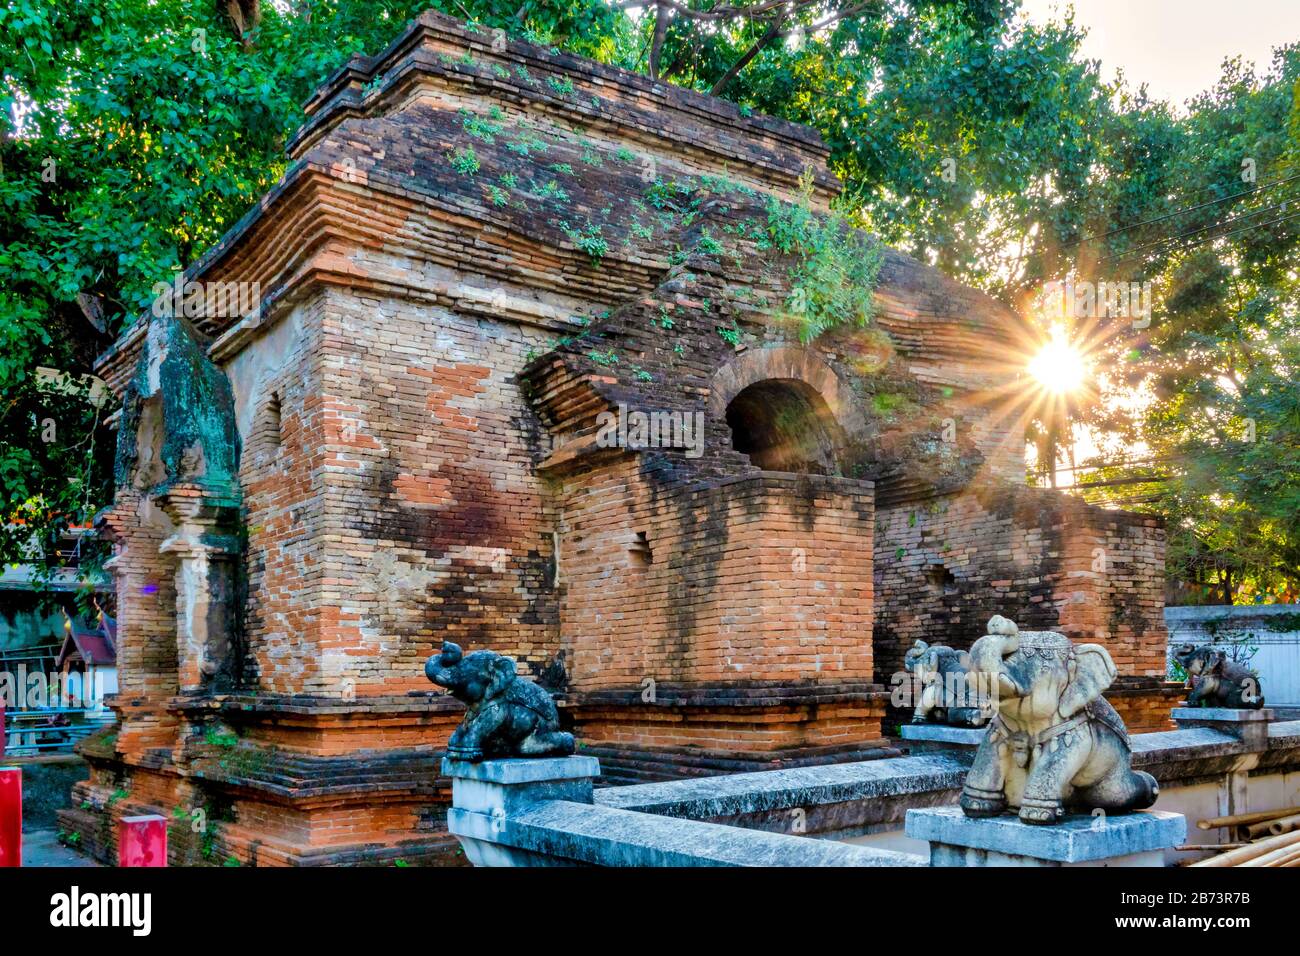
x=244, y=17
x=717, y=13
x=661, y=32
x=773, y=31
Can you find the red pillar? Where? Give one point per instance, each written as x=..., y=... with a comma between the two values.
x=142, y=841
x=11, y=816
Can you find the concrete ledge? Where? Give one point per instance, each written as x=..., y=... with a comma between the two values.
x=794, y=787
x=1076, y=839
x=556, y=832
x=1250, y=726
x=1234, y=715
x=940, y=736
x=517, y=770
x=1284, y=733
x=1187, y=744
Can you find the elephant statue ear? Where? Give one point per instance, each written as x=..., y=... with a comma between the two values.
x=1091, y=672
x=503, y=672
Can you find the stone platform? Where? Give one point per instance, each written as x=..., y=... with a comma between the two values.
x=1246, y=724
x=927, y=738
x=1130, y=839
x=42, y=848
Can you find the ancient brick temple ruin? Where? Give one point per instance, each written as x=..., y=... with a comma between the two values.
x=481, y=255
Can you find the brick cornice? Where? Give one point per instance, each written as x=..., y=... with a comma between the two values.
x=627, y=105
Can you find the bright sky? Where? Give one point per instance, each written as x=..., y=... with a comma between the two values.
x=1177, y=46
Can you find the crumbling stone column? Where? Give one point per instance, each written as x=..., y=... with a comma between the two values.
x=206, y=547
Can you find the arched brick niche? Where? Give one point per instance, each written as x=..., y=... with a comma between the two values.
x=786, y=408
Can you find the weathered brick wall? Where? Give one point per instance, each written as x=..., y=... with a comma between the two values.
x=1116, y=568
x=1144, y=703
x=946, y=565
x=764, y=729
x=277, y=381
x=433, y=521
x=755, y=579
x=144, y=581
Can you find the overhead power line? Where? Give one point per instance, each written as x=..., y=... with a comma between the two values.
x=1182, y=212
x=1225, y=235
x=1192, y=232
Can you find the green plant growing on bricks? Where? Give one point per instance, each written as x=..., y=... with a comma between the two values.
x=560, y=84
x=589, y=239
x=484, y=129
x=834, y=280
x=836, y=268
x=464, y=160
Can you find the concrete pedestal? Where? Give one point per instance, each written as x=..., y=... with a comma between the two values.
x=11, y=816
x=1130, y=839
x=928, y=738
x=1248, y=726
x=484, y=795
x=142, y=841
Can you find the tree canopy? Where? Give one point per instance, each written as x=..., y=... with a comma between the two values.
x=134, y=132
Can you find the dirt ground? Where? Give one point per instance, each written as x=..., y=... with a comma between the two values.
x=47, y=783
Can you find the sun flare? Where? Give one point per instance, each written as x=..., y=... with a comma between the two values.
x=1059, y=366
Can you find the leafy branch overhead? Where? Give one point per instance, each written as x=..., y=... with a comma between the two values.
x=133, y=133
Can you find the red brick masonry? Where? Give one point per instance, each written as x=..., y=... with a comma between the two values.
x=419, y=402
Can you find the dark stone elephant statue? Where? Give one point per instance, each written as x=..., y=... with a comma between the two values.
x=1055, y=743
x=507, y=716
x=943, y=694
x=1217, y=681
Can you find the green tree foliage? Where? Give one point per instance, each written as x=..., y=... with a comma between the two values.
x=133, y=133
x=1221, y=360
x=960, y=132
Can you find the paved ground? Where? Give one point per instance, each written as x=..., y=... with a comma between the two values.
x=42, y=848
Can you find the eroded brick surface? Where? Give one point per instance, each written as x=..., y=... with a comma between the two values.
x=420, y=405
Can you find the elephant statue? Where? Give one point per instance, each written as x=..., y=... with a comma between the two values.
x=1217, y=681
x=1055, y=742
x=507, y=716
x=942, y=692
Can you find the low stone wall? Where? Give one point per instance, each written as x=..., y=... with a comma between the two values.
x=541, y=813
x=762, y=819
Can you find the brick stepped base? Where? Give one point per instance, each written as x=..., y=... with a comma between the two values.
x=277, y=782
x=761, y=725
x=354, y=827
x=1144, y=703
x=625, y=765
x=95, y=833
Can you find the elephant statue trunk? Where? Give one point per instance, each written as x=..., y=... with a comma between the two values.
x=437, y=669
x=988, y=676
